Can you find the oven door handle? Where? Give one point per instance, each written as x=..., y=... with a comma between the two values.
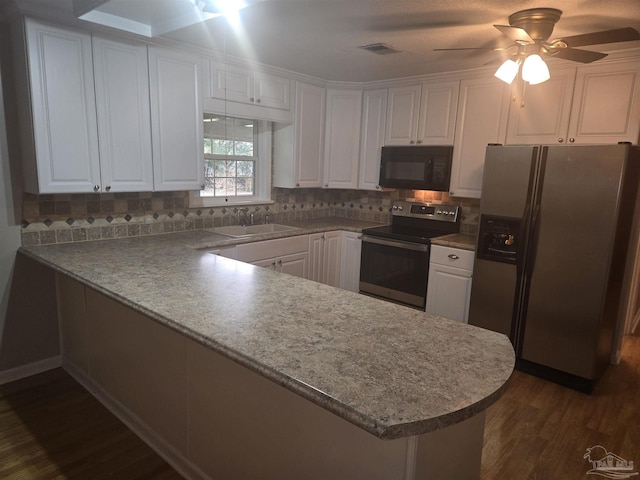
x=418, y=247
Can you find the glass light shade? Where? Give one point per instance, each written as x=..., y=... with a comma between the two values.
x=535, y=70
x=508, y=71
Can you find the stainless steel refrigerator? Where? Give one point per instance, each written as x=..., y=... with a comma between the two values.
x=554, y=230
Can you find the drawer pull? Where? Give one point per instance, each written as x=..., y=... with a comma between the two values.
x=453, y=256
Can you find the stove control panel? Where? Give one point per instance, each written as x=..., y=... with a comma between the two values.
x=430, y=211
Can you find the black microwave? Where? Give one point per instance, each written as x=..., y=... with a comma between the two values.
x=416, y=168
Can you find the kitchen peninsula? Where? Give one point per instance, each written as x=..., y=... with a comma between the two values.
x=234, y=371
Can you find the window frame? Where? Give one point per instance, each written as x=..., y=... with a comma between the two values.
x=262, y=169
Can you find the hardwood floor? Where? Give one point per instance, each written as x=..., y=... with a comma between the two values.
x=51, y=428
x=539, y=430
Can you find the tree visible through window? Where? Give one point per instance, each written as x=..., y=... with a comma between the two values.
x=229, y=156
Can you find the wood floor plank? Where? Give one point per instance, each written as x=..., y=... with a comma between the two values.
x=540, y=430
x=52, y=428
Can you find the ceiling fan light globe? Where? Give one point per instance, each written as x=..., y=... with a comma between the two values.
x=535, y=70
x=508, y=71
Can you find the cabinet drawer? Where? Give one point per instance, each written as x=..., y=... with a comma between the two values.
x=453, y=257
x=253, y=252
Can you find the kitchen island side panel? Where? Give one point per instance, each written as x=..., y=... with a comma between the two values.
x=237, y=423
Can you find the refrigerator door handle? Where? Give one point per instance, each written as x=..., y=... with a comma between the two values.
x=533, y=235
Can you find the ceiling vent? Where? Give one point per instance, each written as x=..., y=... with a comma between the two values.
x=379, y=48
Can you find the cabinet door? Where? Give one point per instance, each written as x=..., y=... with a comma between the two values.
x=540, y=113
x=374, y=112
x=438, y=105
x=350, y=261
x=331, y=258
x=266, y=263
x=272, y=91
x=176, y=120
x=403, y=105
x=296, y=264
x=481, y=119
x=606, y=106
x=124, y=124
x=309, y=135
x=63, y=111
x=342, y=138
x=232, y=83
x=316, y=254
x=448, y=292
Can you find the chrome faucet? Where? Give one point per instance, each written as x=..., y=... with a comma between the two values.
x=242, y=221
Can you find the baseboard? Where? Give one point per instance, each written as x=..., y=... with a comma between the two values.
x=24, y=371
x=173, y=457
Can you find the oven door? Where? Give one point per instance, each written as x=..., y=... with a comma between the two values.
x=394, y=270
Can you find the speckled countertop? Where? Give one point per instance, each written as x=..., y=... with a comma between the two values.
x=456, y=240
x=391, y=370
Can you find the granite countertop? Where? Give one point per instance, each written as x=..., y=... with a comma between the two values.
x=456, y=240
x=391, y=370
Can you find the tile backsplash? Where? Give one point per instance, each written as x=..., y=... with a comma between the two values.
x=63, y=218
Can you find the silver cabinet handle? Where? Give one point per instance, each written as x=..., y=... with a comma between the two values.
x=453, y=256
x=96, y=188
x=571, y=140
x=108, y=188
x=560, y=140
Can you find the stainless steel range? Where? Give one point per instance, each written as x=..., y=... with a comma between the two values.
x=395, y=258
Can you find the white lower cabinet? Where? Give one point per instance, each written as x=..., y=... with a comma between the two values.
x=350, y=261
x=287, y=255
x=325, y=253
x=449, y=287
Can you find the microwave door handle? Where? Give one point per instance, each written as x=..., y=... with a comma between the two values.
x=419, y=247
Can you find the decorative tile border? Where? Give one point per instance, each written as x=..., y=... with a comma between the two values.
x=79, y=218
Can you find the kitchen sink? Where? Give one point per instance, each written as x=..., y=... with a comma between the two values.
x=247, y=231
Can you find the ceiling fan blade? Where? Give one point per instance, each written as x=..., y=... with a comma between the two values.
x=583, y=56
x=500, y=49
x=516, y=34
x=607, y=36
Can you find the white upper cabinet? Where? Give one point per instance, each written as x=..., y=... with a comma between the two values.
x=588, y=104
x=422, y=114
x=606, y=104
x=59, y=131
x=539, y=114
x=124, y=123
x=438, y=105
x=298, y=148
x=176, y=119
x=374, y=111
x=342, y=138
x=481, y=119
x=239, y=84
x=403, y=106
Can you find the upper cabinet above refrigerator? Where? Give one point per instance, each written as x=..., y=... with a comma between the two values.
x=587, y=105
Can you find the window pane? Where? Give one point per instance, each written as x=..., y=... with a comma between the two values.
x=245, y=186
x=224, y=168
x=244, y=169
x=226, y=140
x=207, y=146
x=244, y=149
x=222, y=147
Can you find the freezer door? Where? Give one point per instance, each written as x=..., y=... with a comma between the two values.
x=509, y=175
x=508, y=180
x=571, y=245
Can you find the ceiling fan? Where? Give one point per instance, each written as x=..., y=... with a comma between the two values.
x=530, y=31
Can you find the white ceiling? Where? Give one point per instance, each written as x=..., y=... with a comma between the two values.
x=321, y=37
